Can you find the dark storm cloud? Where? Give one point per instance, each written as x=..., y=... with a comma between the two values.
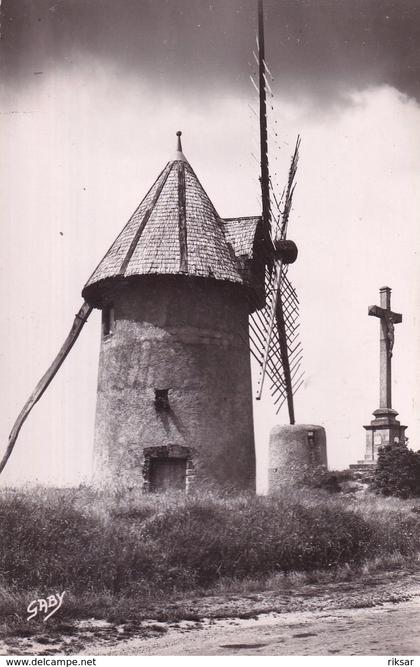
x=320, y=47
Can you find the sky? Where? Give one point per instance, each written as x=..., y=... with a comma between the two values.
x=91, y=95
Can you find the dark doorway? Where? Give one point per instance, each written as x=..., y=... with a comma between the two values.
x=168, y=474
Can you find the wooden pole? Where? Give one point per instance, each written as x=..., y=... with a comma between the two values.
x=79, y=321
x=284, y=354
x=277, y=314
x=265, y=177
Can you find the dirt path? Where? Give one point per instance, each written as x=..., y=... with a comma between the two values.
x=367, y=614
x=391, y=629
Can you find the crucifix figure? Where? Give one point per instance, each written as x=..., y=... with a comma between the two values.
x=387, y=319
x=384, y=429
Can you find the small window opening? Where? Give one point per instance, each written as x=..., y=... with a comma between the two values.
x=161, y=399
x=108, y=321
x=311, y=442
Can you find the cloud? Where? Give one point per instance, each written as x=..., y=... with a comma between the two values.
x=316, y=48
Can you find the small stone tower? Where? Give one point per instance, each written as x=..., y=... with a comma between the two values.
x=296, y=451
x=174, y=401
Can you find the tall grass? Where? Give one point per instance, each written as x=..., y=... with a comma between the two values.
x=81, y=540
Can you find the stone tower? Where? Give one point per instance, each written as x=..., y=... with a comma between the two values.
x=296, y=451
x=174, y=401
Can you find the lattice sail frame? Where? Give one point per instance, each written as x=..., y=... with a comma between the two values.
x=269, y=334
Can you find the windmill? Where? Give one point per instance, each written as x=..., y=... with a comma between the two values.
x=274, y=328
x=176, y=290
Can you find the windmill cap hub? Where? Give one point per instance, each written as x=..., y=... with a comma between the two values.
x=285, y=250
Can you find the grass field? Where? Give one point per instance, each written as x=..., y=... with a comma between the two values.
x=112, y=553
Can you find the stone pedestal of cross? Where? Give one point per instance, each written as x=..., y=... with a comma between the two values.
x=385, y=429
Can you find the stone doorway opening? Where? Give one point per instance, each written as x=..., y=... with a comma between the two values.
x=168, y=474
x=168, y=468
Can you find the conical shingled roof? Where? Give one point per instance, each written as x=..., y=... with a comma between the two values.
x=175, y=230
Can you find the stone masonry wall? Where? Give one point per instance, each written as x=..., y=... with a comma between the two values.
x=294, y=451
x=187, y=336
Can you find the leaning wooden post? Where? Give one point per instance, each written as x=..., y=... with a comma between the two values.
x=79, y=321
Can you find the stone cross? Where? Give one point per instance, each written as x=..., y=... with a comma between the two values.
x=388, y=319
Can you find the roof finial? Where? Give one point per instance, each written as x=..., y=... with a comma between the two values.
x=179, y=155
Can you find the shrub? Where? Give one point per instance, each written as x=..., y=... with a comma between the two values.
x=328, y=480
x=397, y=472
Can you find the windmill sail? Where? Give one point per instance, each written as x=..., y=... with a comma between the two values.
x=278, y=348
x=265, y=176
x=274, y=329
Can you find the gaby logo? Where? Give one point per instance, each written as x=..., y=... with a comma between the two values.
x=52, y=603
